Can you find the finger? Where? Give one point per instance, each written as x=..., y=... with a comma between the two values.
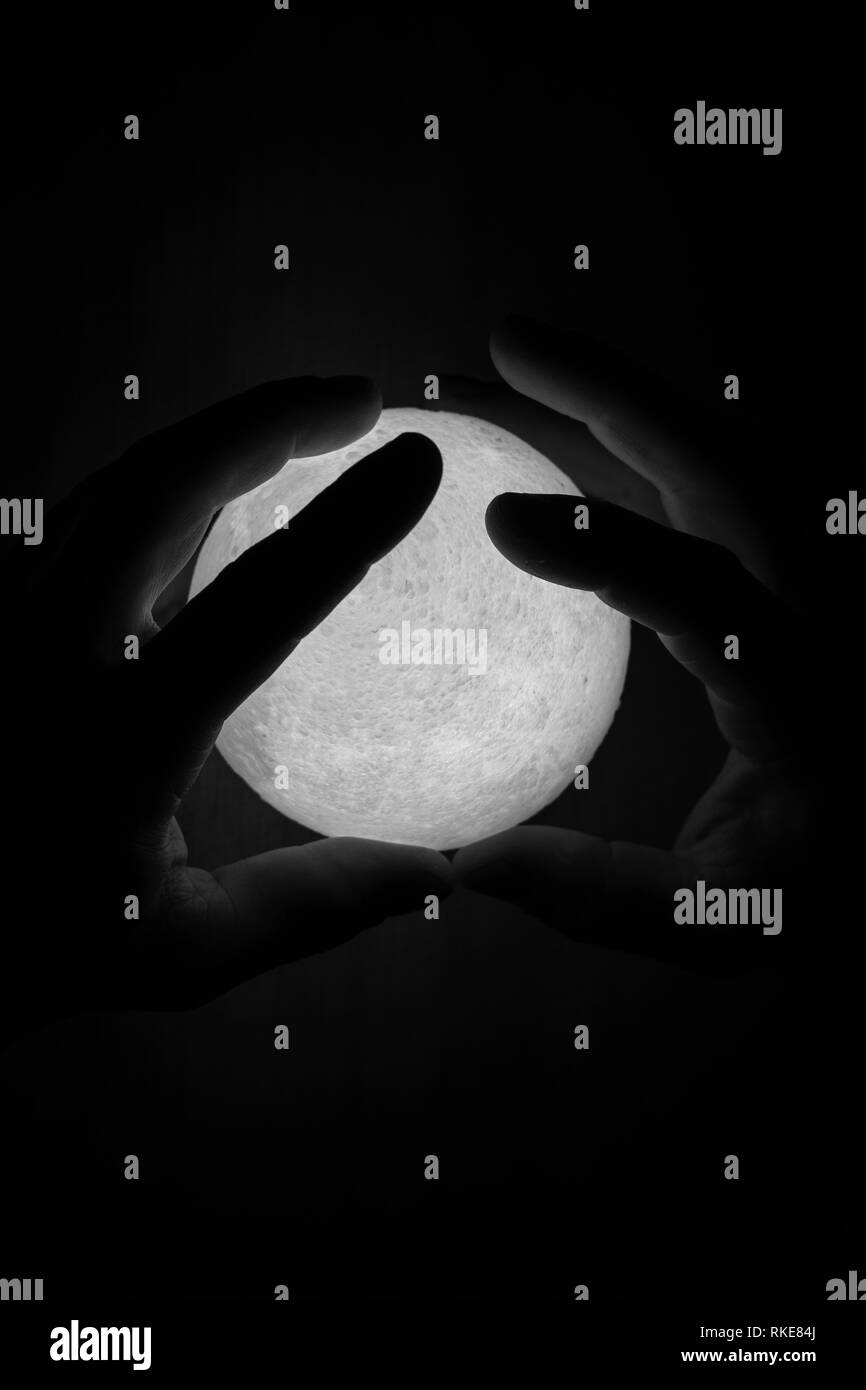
x=639, y=420
x=292, y=903
x=567, y=443
x=693, y=593
x=601, y=893
x=125, y=533
x=232, y=635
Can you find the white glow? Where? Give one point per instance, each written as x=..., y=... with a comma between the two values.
x=427, y=754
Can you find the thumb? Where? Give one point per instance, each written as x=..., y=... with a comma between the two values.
x=291, y=903
x=601, y=893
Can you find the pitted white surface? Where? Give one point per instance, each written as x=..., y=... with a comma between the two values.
x=426, y=754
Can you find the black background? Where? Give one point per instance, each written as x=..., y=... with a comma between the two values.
x=454, y=1038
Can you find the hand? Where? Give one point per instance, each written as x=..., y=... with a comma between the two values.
x=105, y=748
x=672, y=544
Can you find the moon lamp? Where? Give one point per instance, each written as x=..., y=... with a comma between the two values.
x=450, y=695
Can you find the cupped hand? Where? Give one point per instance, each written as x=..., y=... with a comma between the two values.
x=105, y=747
x=673, y=543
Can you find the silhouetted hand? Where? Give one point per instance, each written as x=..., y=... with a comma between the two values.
x=103, y=748
x=684, y=556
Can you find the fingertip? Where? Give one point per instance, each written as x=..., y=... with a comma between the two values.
x=433, y=868
x=506, y=867
x=512, y=338
x=551, y=365
x=507, y=525
x=534, y=867
x=491, y=864
x=501, y=513
x=362, y=391
x=499, y=345
x=425, y=449
x=517, y=518
x=411, y=456
x=408, y=873
x=356, y=399
x=302, y=417
x=537, y=533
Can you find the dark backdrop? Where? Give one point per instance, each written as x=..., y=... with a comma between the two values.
x=454, y=1037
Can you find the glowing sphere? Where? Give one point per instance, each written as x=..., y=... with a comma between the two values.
x=450, y=695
